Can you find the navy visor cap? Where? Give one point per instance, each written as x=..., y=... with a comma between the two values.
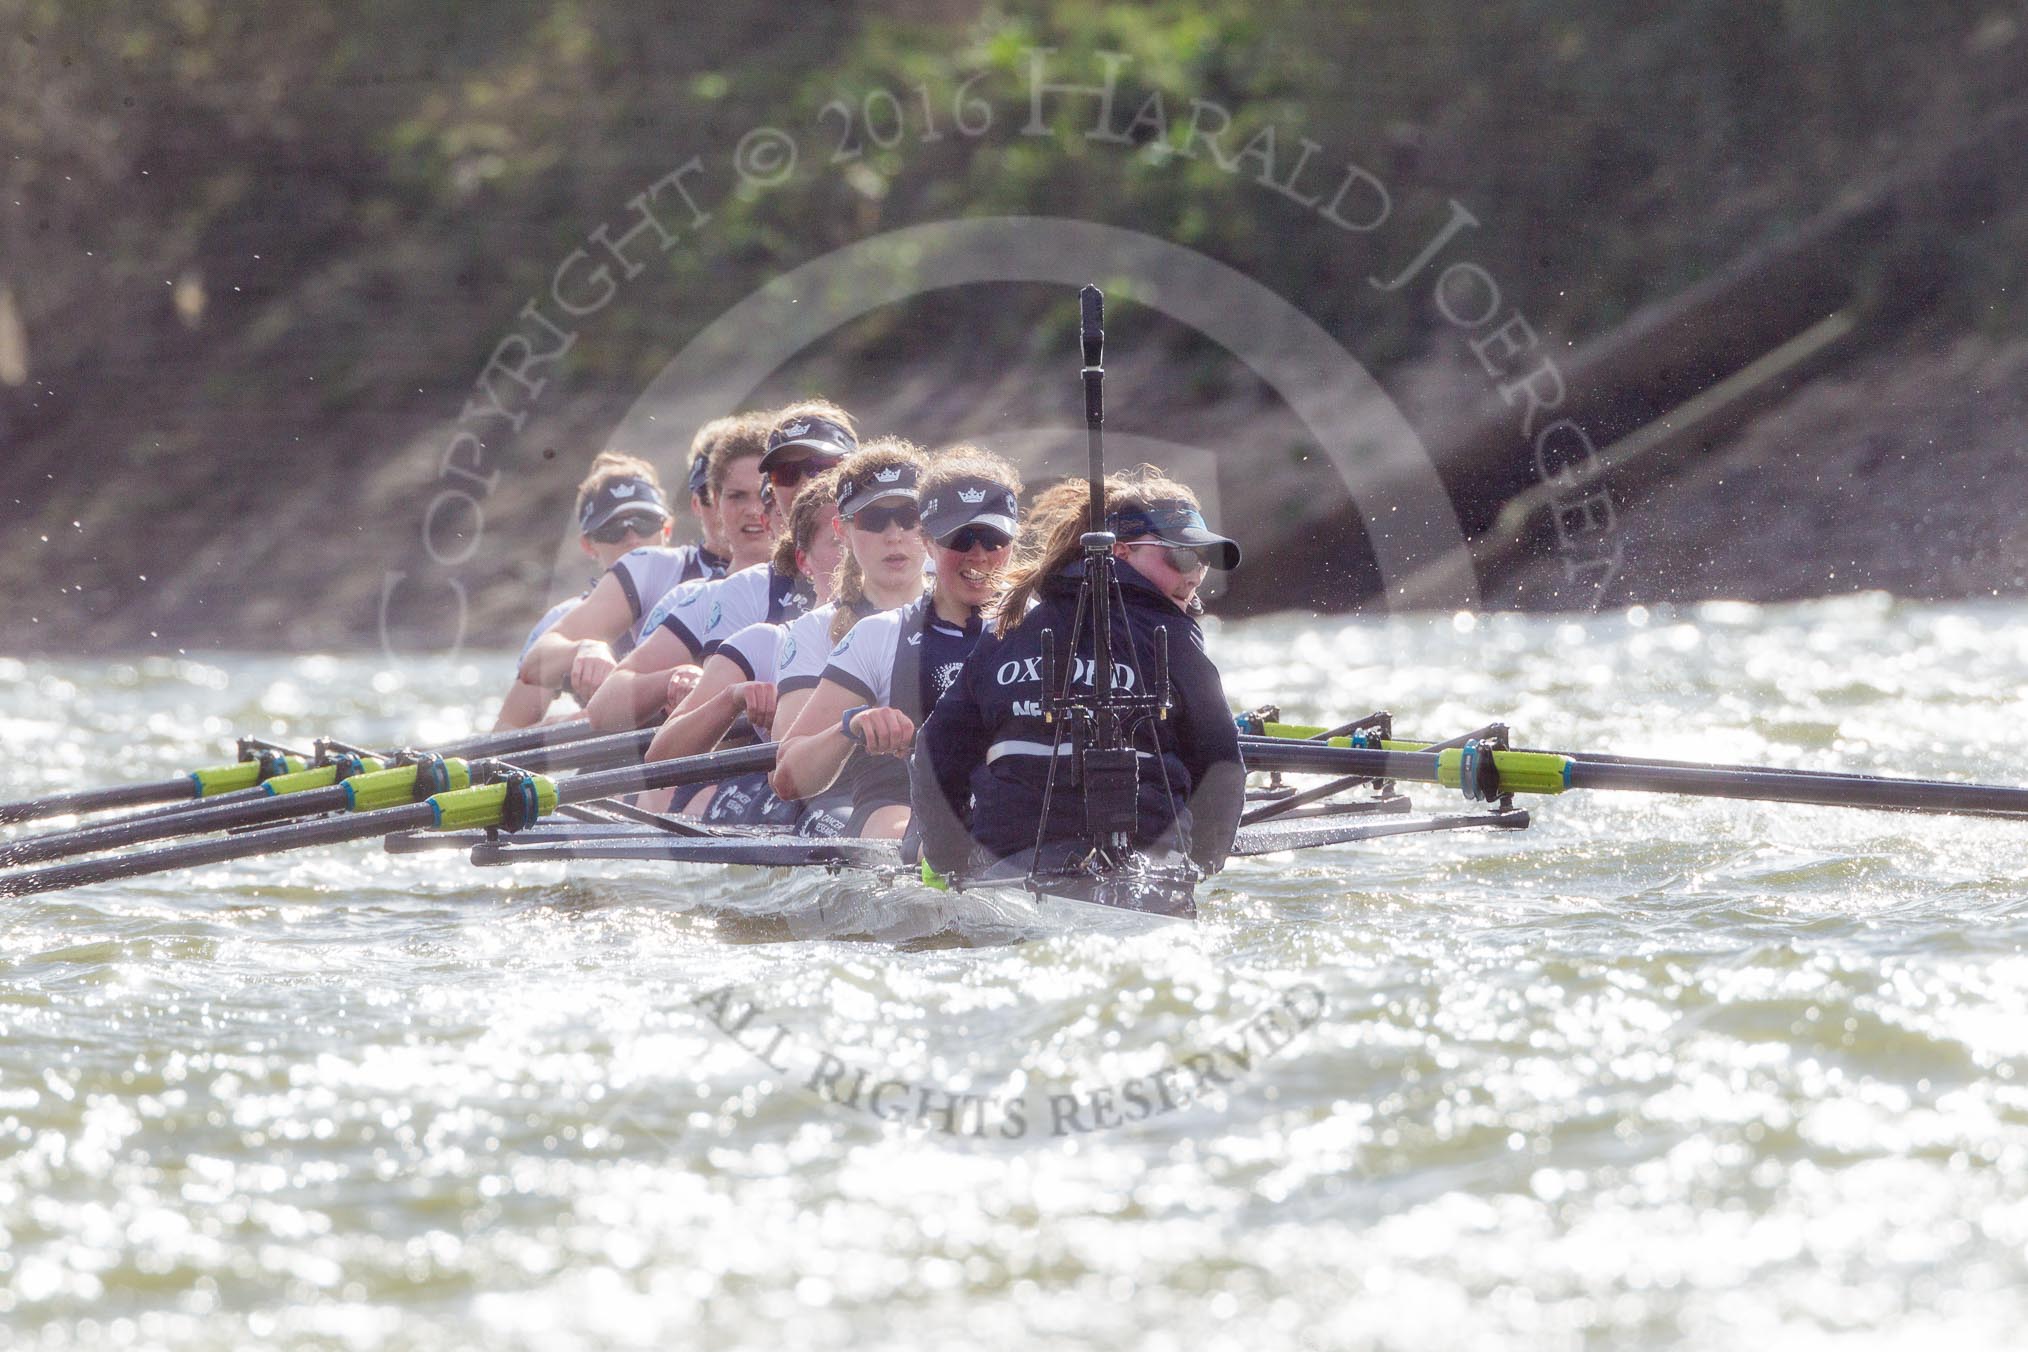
x=807, y=438
x=700, y=475
x=1176, y=523
x=970, y=502
x=874, y=485
x=618, y=497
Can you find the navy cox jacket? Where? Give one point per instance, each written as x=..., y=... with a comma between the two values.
x=981, y=760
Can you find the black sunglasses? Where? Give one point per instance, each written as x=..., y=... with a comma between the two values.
x=1183, y=558
x=620, y=527
x=795, y=471
x=961, y=540
x=877, y=519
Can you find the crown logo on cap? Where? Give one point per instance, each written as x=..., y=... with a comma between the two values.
x=971, y=497
x=795, y=429
x=889, y=475
x=623, y=490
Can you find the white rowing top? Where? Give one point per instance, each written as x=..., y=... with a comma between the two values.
x=649, y=574
x=756, y=650
x=805, y=649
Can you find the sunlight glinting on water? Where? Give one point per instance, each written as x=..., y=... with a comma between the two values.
x=1657, y=1072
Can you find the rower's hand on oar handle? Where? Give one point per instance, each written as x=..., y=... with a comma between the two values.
x=682, y=680
x=757, y=700
x=883, y=731
x=590, y=667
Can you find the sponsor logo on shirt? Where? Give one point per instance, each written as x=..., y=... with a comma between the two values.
x=689, y=592
x=732, y=801
x=658, y=614
x=821, y=823
x=717, y=614
x=946, y=676
x=788, y=650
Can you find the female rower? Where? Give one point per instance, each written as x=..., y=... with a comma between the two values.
x=805, y=439
x=887, y=670
x=983, y=759
x=694, y=619
x=638, y=684
x=584, y=646
x=620, y=511
x=739, y=679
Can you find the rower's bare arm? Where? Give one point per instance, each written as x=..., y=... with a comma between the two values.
x=813, y=751
x=639, y=686
x=602, y=618
x=524, y=706
x=789, y=706
x=705, y=713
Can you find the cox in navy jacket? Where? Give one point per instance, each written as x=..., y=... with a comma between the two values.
x=963, y=798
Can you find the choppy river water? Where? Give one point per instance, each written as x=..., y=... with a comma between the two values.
x=1657, y=1073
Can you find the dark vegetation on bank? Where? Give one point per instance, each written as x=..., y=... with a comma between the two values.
x=252, y=259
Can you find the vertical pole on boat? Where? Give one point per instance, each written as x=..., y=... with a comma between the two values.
x=1092, y=332
x=1098, y=541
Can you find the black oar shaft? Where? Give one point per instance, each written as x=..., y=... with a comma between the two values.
x=591, y=753
x=1826, y=790
x=98, y=800
x=218, y=850
x=516, y=742
x=253, y=807
x=192, y=821
x=1813, y=787
x=366, y=825
x=1275, y=753
x=666, y=774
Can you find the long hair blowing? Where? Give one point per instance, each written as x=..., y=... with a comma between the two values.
x=848, y=584
x=1052, y=538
